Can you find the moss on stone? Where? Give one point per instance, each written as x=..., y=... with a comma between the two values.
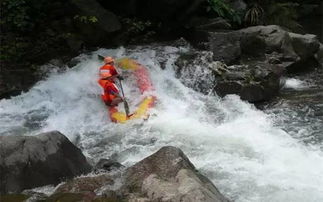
x=13, y=197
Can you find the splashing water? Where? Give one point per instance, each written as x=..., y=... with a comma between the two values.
x=234, y=144
x=296, y=84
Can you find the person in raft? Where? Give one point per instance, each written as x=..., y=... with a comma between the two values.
x=108, y=74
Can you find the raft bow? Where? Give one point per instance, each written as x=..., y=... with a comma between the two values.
x=145, y=86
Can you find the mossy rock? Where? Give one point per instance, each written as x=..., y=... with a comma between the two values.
x=65, y=197
x=13, y=197
x=110, y=199
x=76, y=197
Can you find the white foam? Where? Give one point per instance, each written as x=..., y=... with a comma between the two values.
x=296, y=84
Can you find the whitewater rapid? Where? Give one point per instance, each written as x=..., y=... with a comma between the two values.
x=235, y=145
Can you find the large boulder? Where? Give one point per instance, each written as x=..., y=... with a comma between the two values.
x=225, y=46
x=168, y=175
x=13, y=81
x=107, y=20
x=32, y=161
x=276, y=38
x=93, y=25
x=298, y=52
x=254, y=83
x=306, y=45
x=319, y=54
x=252, y=45
x=85, y=184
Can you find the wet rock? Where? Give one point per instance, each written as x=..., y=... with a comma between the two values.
x=74, y=43
x=56, y=62
x=224, y=88
x=319, y=54
x=306, y=45
x=85, y=184
x=32, y=161
x=254, y=83
x=225, y=46
x=194, y=69
x=275, y=37
x=107, y=165
x=14, y=81
x=168, y=175
x=253, y=45
x=69, y=197
x=303, y=65
x=34, y=196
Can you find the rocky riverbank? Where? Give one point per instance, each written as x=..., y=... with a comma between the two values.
x=50, y=158
x=249, y=62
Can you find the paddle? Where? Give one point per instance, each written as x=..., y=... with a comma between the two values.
x=100, y=57
x=126, y=106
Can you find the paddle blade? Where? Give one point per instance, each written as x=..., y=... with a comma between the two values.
x=126, y=107
x=100, y=57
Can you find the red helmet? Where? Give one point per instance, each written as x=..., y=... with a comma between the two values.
x=108, y=60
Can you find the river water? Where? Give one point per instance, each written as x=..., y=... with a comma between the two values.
x=249, y=154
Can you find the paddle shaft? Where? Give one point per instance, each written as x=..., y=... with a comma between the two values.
x=126, y=106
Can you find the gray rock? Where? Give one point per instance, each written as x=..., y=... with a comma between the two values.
x=194, y=69
x=319, y=54
x=224, y=88
x=276, y=38
x=31, y=161
x=254, y=83
x=303, y=65
x=306, y=45
x=85, y=184
x=107, y=165
x=14, y=81
x=253, y=45
x=225, y=46
x=168, y=175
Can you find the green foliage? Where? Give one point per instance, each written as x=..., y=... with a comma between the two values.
x=139, y=30
x=254, y=15
x=223, y=9
x=86, y=19
x=14, y=13
x=284, y=14
x=135, y=25
x=18, y=19
x=21, y=15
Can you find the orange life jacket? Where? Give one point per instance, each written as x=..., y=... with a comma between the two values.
x=107, y=70
x=110, y=89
